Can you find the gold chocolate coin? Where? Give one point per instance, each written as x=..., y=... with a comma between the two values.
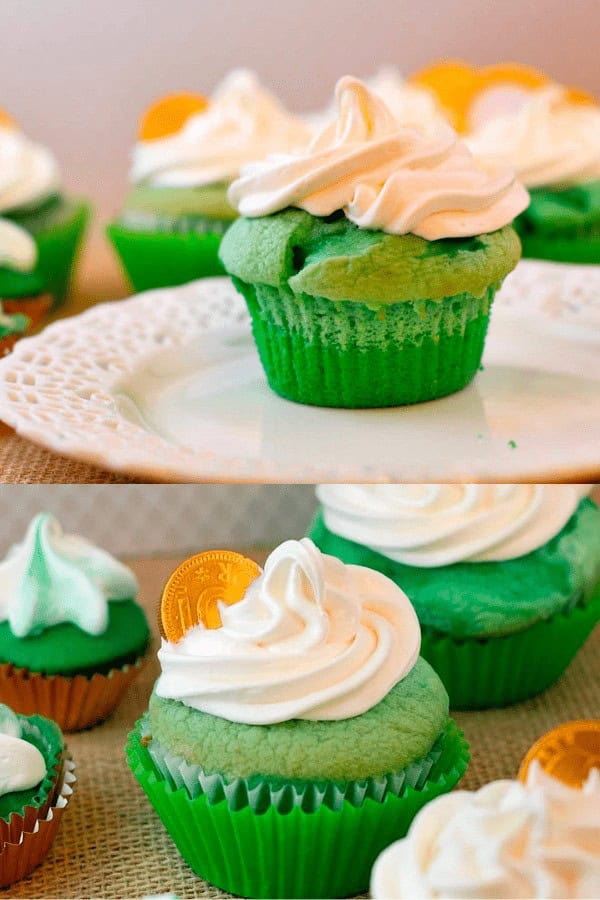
x=568, y=752
x=195, y=588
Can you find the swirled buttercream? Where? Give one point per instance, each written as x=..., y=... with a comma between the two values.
x=52, y=578
x=28, y=171
x=383, y=176
x=548, y=140
x=430, y=525
x=22, y=766
x=18, y=250
x=242, y=123
x=537, y=840
x=311, y=639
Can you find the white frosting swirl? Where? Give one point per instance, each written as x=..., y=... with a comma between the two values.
x=311, y=639
x=28, y=171
x=547, y=139
x=538, y=840
x=411, y=105
x=52, y=577
x=22, y=766
x=429, y=525
x=18, y=250
x=383, y=176
x=242, y=123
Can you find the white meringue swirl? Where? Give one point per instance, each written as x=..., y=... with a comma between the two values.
x=548, y=140
x=537, y=840
x=22, y=765
x=242, y=123
x=28, y=171
x=18, y=250
x=383, y=176
x=311, y=639
x=430, y=525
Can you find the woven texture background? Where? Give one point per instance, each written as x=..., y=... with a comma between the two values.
x=112, y=845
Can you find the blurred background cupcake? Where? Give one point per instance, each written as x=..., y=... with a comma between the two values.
x=293, y=722
x=505, y=579
x=71, y=633
x=369, y=261
x=35, y=787
x=548, y=133
x=189, y=150
x=38, y=252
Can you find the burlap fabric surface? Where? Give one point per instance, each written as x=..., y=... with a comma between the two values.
x=113, y=845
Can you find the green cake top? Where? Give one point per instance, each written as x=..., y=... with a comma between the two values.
x=205, y=201
x=333, y=258
x=396, y=732
x=571, y=211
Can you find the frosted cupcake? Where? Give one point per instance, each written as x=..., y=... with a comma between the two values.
x=71, y=633
x=505, y=579
x=293, y=721
x=190, y=149
x=369, y=261
x=40, y=227
x=548, y=133
x=533, y=840
x=35, y=788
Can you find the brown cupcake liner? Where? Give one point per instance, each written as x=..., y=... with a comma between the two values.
x=35, y=307
x=73, y=703
x=33, y=834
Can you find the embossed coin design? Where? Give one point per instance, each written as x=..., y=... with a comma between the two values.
x=568, y=752
x=193, y=591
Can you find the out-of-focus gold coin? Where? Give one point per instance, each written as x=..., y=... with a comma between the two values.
x=193, y=591
x=568, y=752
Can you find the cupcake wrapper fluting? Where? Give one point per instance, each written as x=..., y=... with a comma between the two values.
x=159, y=259
x=481, y=673
x=73, y=703
x=31, y=836
x=314, y=852
x=58, y=246
x=352, y=355
x=562, y=249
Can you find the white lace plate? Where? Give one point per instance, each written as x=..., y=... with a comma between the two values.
x=167, y=386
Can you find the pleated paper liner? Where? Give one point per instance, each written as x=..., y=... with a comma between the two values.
x=23, y=851
x=503, y=670
x=58, y=248
x=73, y=703
x=347, y=354
x=161, y=259
x=304, y=844
x=562, y=249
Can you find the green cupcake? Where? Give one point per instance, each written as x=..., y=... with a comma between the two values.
x=377, y=289
x=40, y=227
x=307, y=729
x=505, y=579
x=35, y=785
x=188, y=152
x=552, y=140
x=72, y=635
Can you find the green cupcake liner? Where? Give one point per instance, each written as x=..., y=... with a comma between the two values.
x=58, y=246
x=346, y=354
x=561, y=249
x=159, y=259
x=320, y=852
x=46, y=736
x=483, y=673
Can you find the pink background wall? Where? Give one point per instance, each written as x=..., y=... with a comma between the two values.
x=77, y=73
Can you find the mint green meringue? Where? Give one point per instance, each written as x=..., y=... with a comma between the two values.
x=52, y=578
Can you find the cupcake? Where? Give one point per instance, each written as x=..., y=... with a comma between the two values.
x=508, y=839
x=293, y=722
x=550, y=135
x=370, y=260
x=189, y=150
x=35, y=788
x=504, y=578
x=12, y=327
x=40, y=228
x=72, y=636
